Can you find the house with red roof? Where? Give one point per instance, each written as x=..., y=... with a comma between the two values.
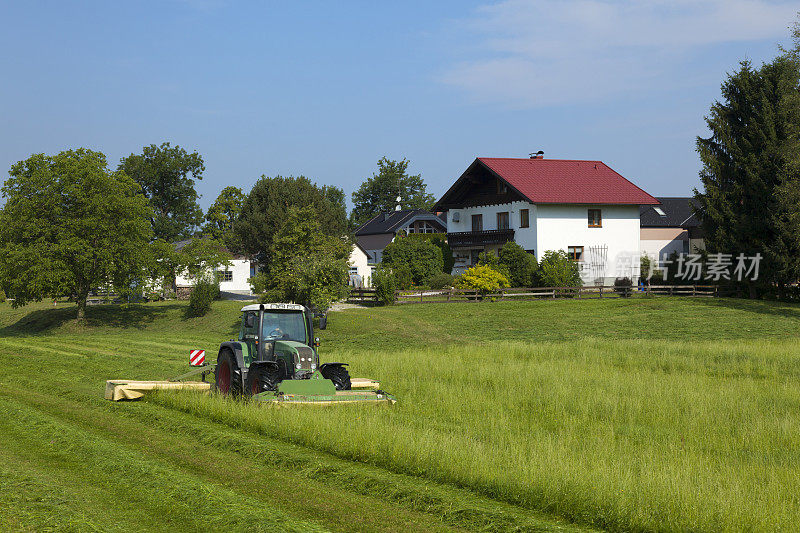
x=584, y=208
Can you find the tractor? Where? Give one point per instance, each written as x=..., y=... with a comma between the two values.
x=276, y=344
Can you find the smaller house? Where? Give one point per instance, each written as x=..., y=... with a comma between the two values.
x=233, y=278
x=670, y=227
x=360, y=268
x=374, y=235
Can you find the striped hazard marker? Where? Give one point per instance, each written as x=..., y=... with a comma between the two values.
x=197, y=357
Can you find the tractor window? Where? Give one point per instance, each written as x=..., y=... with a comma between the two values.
x=284, y=326
x=249, y=325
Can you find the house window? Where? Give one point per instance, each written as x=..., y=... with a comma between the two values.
x=477, y=222
x=575, y=253
x=595, y=218
x=474, y=256
x=524, y=218
x=224, y=275
x=502, y=220
x=502, y=188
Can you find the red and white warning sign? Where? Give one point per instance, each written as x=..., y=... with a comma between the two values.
x=197, y=357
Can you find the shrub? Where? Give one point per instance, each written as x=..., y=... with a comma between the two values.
x=204, y=292
x=402, y=275
x=558, y=270
x=2, y=296
x=440, y=240
x=492, y=261
x=484, y=279
x=422, y=258
x=623, y=286
x=385, y=284
x=521, y=265
x=441, y=281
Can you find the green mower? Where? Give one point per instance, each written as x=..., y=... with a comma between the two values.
x=275, y=360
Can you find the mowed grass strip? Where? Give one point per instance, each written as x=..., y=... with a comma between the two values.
x=628, y=435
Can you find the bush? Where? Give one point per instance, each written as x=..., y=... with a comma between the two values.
x=440, y=240
x=492, y=261
x=385, y=284
x=484, y=279
x=402, y=276
x=558, y=270
x=623, y=286
x=204, y=292
x=2, y=296
x=520, y=264
x=422, y=258
x=441, y=281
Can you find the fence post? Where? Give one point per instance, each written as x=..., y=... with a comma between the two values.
x=449, y=292
x=694, y=290
x=601, y=291
x=579, y=292
x=420, y=296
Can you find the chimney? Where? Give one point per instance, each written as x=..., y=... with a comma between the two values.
x=537, y=155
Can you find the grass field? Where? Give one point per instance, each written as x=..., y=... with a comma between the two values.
x=641, y=414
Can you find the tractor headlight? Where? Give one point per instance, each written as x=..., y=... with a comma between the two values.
x=313, y=366
x=299, y=366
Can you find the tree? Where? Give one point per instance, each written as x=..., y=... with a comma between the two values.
x=440, y=240
x=222, y=215
x=309, y=267
x=521, y=265
x=421, y=257
x=164, y=175
x=750, y=169
x=556, y=269
x=68, y=225
x=266, y=207
x=379, y=193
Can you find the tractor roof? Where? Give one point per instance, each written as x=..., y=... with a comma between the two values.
x=272, y=306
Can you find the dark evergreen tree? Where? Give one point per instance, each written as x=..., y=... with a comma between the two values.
x=750, y=174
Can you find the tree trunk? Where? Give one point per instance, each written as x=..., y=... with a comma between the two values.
x=753, y=293
x=81, y=297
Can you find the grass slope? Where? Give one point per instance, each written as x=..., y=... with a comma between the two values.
x=641, y=414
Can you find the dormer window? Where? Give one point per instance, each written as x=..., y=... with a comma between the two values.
x=659, y=211
x=502, y=188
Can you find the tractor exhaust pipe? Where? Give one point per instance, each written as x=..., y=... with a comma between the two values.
x=259, y=340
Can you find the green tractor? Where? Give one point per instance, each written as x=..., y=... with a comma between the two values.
x=275, y=359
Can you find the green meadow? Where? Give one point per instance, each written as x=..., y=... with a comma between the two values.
x=663, y=414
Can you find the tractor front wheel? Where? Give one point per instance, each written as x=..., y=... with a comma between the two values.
x=339, y=375
x=227, y=380
x=263, y=378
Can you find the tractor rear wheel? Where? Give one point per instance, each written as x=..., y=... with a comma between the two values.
x=339, y=375
x=262, y=378
x=227, y=375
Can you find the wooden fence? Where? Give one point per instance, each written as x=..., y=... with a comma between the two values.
x=543, y=293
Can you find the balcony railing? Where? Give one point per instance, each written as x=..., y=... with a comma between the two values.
x=476, y=238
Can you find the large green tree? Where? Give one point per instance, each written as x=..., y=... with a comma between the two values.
x=265, y=209
x=166, y=174
x=308, y=266
x=750, y=173
x=221, y=216
x=70, y=224
x=379, y=193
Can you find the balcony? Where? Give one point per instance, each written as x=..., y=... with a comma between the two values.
x=480, y=238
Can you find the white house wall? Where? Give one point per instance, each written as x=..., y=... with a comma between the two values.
x=561, y=226
x=359, y=264
x=241, y=272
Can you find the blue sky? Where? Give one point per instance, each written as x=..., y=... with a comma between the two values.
x=324, y=89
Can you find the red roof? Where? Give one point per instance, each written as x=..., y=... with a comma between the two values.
x=561, y=181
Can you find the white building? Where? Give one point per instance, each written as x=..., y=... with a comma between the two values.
x=233, y=278
x=581, y=207
x=361, y=267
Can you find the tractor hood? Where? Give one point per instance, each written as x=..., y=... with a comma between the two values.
x=303, y=357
